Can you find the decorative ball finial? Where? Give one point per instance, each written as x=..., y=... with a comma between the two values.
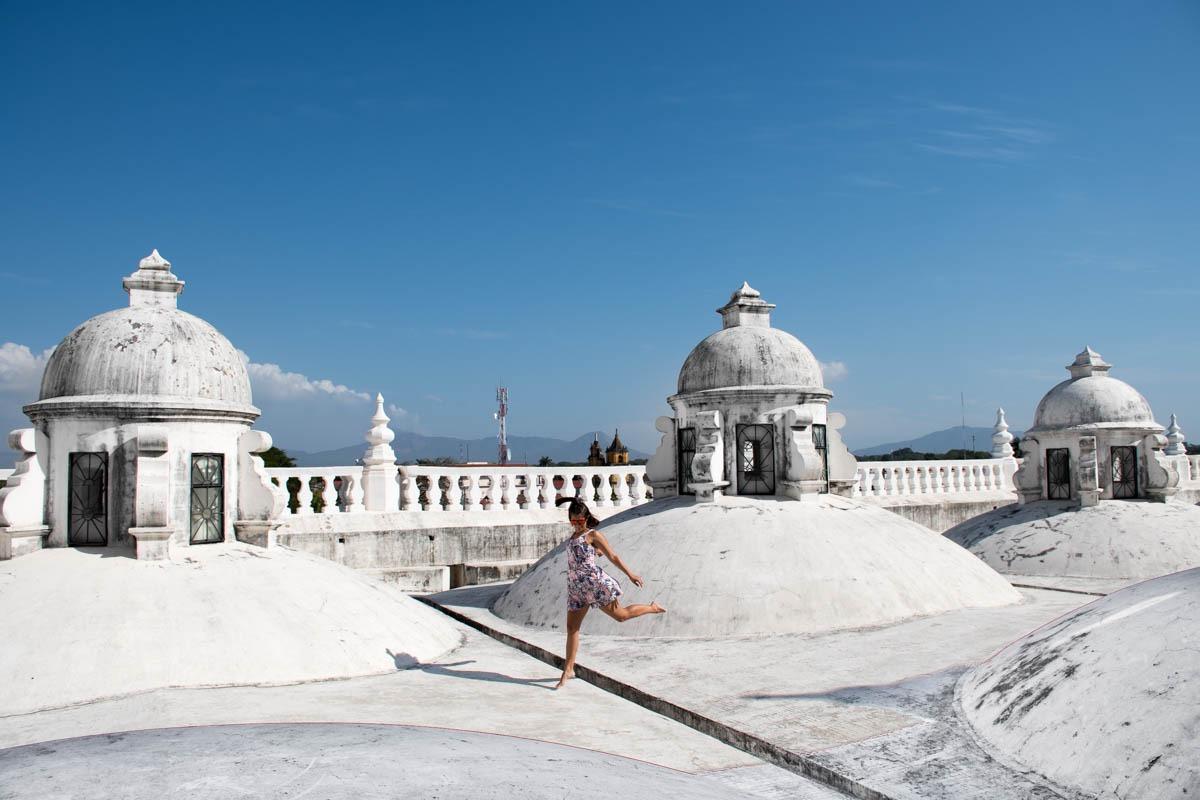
x=1001, y=438
x=380, y=435
x=1175, y=439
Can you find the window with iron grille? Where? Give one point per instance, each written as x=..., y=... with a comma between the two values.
x=755, y=459
x=208, y=498
x=1058, y=473
x=686, y=451
x=87, y=488
x=820, y=442
x=1124, y=473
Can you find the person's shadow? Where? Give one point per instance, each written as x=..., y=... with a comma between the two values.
x=405, y=661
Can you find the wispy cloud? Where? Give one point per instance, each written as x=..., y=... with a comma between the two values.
x=870, y=182
x=478, y=334
x=637, y=208
x=984, y=134
x=833, y=370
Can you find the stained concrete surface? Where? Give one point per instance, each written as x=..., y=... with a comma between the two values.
x=876, y=705
x=334, y=761
x=482, y=686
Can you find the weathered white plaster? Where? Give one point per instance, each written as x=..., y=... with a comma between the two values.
x=224, y=614
x=260, y=503
x=23, y=498
x=765, y=566
x=1106, y=700
x=1127, y=539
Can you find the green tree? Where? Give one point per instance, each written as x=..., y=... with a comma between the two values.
x=276, y=457
x=545, y=461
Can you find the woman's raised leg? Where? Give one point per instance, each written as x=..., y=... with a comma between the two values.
x=622, y=613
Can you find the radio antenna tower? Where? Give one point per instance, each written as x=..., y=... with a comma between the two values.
x=502, y=399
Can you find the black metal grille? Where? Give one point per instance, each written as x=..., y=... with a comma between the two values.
x=755, y=459
x=208, y=498
x=1058, y=473
x=820, y=442
x=686, y=451
x=1124, y=473
x=87, y=486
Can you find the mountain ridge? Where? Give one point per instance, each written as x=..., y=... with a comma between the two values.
x=411, y=446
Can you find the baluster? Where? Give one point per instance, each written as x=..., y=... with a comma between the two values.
x=410, y=494
x=954, y=476
x=329, y=495
x=601, y=490
x=433, y=492
x=352, y=488
x=508, y=491
x=304, y=496
x=972, y=476
x=629, y=484
x=470, y=492
x=937, y=480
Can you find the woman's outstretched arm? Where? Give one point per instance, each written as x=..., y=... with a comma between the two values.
x=601, y=544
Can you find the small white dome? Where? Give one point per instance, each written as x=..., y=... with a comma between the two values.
x=1104, y=701
x=748, y=352
x=149, y=354
x=1091, y=398
x=147, y=351
x=744, y=356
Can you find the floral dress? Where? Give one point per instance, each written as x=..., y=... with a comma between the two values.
x=587, y=584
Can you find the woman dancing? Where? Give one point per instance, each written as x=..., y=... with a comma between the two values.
x=587, y=584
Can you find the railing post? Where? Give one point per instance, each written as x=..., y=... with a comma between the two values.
x=381, y=492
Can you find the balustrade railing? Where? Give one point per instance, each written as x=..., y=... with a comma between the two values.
x=466, y=488
x=1193, y=467
x=931, y=478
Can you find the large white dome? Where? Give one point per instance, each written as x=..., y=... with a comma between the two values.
x=1104, y=701
x=1116, y=539
x=766, y=566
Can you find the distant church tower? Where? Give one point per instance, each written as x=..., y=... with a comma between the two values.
x=595, y=457
x=617, y=453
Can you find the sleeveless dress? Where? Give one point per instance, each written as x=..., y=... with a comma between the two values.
x=587, y=584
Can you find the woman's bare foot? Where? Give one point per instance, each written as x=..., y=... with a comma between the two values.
x=566, y=676
x=655, y=608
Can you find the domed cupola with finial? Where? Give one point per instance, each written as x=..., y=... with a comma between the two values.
x=751, y=415
x=139, y=422
x=1094, y=437
x=617, y=453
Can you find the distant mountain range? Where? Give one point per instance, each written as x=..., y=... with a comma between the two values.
x=413, y=446
x=938, y=442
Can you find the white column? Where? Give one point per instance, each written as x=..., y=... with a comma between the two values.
x=304, y=496
x=471, y=492
x=409, y=493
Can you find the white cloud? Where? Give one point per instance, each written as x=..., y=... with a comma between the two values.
x=272, y=380
x=833, y=370
x=396, y=412
x=20, y=369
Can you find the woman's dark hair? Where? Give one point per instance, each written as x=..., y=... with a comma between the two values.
x=578, y=508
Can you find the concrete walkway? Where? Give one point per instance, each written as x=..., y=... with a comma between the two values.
x=871, y=711
x=482, y=686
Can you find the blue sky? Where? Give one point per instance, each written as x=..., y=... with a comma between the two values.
x=428, y=198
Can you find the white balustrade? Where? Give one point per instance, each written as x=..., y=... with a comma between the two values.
x=335, y=499
x=951, y=478
x=1194, y=466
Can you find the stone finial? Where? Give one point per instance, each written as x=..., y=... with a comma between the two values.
x=746, y=307
x=1001, y=438
x=1175, y=439
x=155, y=261
x=1087, y=364
x=153, y=284
x=380, y=434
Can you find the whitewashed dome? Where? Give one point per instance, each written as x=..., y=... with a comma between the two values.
x=765, y=565
x=1103, y=702
x=748, y=353
x=1091, y=398
x=149, y=353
